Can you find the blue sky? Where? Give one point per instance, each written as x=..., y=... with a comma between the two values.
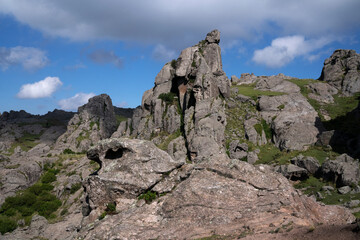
x=57, y=54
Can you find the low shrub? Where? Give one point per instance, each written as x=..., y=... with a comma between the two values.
x=168, y=98
x=7, y=225
x=68, y=151
x=48, y=177
x=110, y=208
x=149, y=196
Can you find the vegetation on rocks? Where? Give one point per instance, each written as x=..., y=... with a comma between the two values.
x=26, y=142
x=35, y=199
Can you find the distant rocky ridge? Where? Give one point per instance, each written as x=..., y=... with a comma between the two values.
x=187, y=162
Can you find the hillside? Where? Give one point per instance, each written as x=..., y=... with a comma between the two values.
x=203, y=157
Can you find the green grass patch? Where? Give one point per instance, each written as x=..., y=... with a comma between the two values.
x=120, y=119
x=312, y=185
x=269, y=154
x=26, y=142
x=342, y=105
x=82, y=136
x=250, y=91
x=14, y=166
x=343, y=119
x=164, y=145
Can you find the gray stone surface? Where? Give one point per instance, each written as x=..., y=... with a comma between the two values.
x=221, y=200
x=341, y=71
x=311, y=164
x=129, y=167
x=344, y=171
x=292, y=172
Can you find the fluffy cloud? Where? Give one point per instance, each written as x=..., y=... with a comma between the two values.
x=162, y=53
x=30, y=58
x=102, y=56
x=283, y=50
x=41, y=89
x=76, y=101
x=176, y=25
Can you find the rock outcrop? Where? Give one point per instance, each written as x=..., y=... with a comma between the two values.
x=94, y=121
x=128, y=168
x=224, y=197
x=342, y=70
x=291, y=117
x=187, y=98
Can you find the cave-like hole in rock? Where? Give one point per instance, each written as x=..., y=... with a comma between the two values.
x=111, y=154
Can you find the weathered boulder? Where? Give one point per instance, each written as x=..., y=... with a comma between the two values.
x=344, y=171
x=292, y=118
x=292, y=172
x=311, y=164
x=341, y=70
x=95, y=121
x=128, y=168
x=344, y=190
x=238, y=150
x=322, y=92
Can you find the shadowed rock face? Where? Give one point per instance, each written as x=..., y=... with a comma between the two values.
x=341, y=70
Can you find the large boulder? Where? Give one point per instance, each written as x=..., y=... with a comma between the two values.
x=344, y=171
x=292, y=118
x=292, y=172
x=341, y=70
x=311, y=164
x=128, y=168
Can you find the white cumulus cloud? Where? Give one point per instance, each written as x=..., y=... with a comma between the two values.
x=76, y=101
x=285, y=49
x=30, y=58
x=41, y=89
